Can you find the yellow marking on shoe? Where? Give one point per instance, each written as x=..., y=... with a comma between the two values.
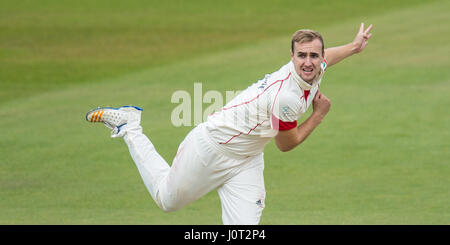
x=96, y=116
x=93, y=116
x=100, y=116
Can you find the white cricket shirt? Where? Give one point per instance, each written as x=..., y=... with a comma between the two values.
x=248, y=122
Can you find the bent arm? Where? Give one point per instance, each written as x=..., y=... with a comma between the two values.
x=289, y=139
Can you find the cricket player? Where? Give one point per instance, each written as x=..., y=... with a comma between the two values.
x=226, y=151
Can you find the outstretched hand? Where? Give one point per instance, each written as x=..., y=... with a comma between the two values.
x=362, y=38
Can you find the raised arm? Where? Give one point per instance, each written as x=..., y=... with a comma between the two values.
x=335, y=54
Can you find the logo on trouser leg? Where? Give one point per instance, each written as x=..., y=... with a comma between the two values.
x=260, y=203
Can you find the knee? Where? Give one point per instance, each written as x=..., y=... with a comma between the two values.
x=168, y=207
x=169, y=202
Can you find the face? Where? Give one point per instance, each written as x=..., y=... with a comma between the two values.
x=307, y=58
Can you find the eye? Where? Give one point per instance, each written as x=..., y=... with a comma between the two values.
x=302, y=55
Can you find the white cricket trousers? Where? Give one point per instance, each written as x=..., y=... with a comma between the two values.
x=198, y=168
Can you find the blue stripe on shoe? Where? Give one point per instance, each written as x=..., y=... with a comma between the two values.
x=117, y=108
x=135, y=107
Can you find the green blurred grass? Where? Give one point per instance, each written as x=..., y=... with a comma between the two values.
x=380, y=157
x=49, y=44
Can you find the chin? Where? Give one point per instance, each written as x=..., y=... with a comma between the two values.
x=308, y=79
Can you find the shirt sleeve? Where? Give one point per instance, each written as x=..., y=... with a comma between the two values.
x=285, y=112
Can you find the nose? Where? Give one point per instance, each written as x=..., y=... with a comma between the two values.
x=308, y=61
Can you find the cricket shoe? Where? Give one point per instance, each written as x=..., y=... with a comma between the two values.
x=119, y=120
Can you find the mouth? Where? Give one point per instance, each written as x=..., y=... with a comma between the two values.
x=307, y=71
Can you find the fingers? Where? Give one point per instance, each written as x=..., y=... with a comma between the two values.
x=323, y=97
x=318, y=95
x=366, y=32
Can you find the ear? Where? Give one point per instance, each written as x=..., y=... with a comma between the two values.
x=292, y=55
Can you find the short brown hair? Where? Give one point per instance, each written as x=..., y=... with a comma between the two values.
x=304, y=36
